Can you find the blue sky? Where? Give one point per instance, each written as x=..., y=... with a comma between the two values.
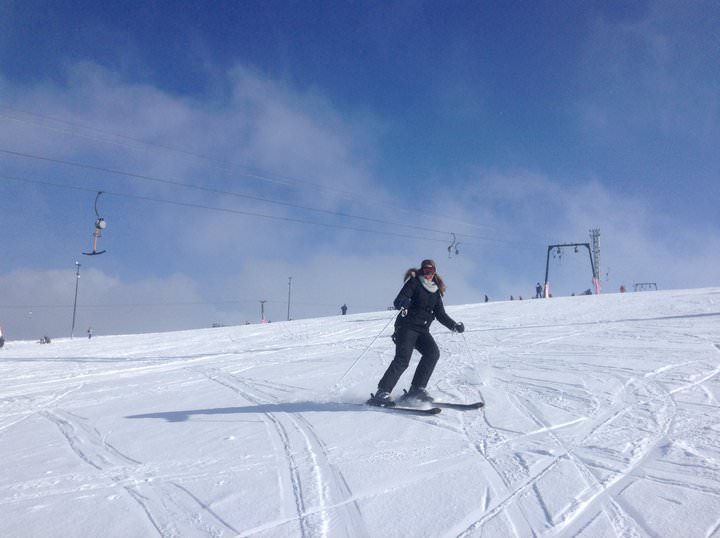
x=513, y=125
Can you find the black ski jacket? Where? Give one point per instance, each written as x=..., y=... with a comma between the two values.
x=424, y=307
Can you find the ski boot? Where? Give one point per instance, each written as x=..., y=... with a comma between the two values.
x=417, y=395
x=381, y=399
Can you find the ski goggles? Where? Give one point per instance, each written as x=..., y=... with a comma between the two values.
x=428, y=270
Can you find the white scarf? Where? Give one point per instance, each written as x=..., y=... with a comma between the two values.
x=429, y=284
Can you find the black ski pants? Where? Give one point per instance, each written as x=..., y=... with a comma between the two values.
x=406, y=340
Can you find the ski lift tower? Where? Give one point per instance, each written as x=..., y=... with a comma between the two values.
x=595, y=239
x=546, y=288
x=77, y=283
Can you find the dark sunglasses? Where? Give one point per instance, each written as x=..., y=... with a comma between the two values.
x=428, y=269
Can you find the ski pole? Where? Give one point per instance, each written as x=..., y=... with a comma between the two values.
x=470, y=354
x=363, y=353
x=468, y=347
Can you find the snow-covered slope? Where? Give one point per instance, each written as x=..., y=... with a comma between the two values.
x=602, y=419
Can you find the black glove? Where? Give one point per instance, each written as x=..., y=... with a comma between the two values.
x=459, y=328
x=404, y=303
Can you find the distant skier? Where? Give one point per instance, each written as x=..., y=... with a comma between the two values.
x=538, y=291
x=2, y=338
x=343, y=309
x=419, y=302
x=89, y=332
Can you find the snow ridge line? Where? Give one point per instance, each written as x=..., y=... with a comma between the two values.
x=169, y=513
x=168, y=364
x=87, y=442
x=34, y=408
x=493, y=475
x=620, y=409
x=338, y=486
x=694, y=384
x=517, y=518
x=109, y=478
x=543, y=429
x=314, y=520
x=504, y=503
x=356, y=524
x=618, y=517
x=218, y=376
x=634, y=464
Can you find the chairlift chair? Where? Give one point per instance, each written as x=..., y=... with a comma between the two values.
x=100, y=225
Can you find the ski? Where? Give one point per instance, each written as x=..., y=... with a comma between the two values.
x=458, y=406
x=408, y=410
x=446, y=405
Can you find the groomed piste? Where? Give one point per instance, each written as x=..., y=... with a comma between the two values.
x=602, y=418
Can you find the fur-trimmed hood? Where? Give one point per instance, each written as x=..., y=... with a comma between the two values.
x=437, y=279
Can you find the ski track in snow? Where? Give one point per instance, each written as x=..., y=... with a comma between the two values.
x=625, y=522
x=171, y=508
x=16, y=410
x=318, y=486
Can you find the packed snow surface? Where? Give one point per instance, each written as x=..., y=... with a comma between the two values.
x=602, y=418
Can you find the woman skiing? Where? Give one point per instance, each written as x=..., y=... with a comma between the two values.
x=419, y=302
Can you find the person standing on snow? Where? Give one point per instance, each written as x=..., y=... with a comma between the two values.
x=419, y=302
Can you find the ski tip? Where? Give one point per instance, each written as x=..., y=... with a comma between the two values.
x=459, y=406
x=434, y=410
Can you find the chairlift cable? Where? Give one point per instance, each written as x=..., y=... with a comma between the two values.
x=231, y=193
x=224, y=165
x=227, y=210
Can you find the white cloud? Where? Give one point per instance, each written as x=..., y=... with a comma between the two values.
x=37, y=303
x=227, y=263
x=638, y=242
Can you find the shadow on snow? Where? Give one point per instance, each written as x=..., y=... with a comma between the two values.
x=294, y=407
